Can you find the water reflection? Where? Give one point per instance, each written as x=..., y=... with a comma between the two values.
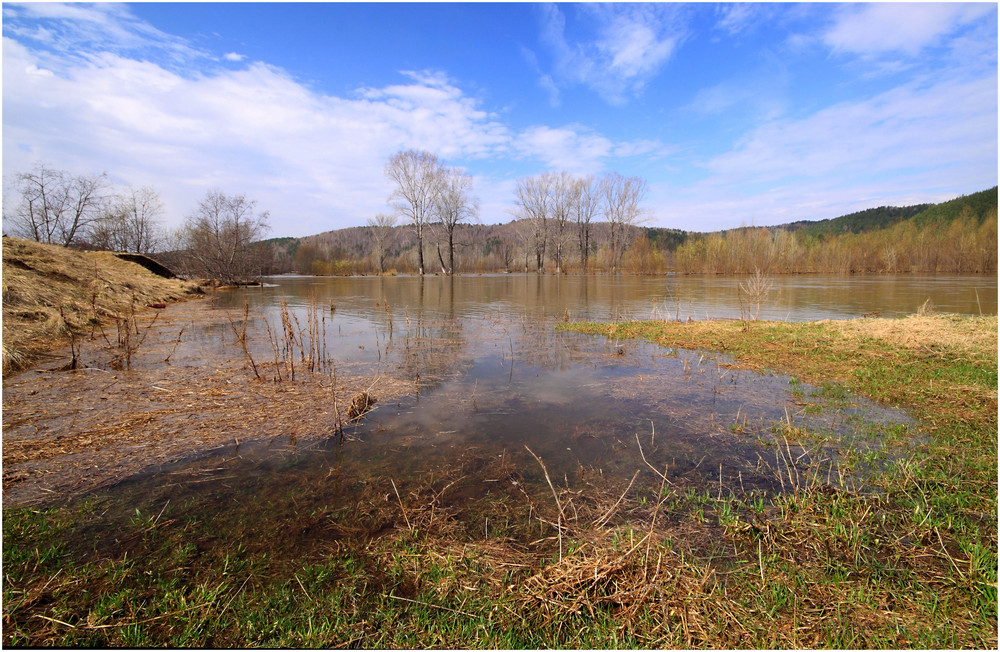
x=602, y=297
x=490, y=377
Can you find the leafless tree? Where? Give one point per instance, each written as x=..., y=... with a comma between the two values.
x=130, y=222
x=533, y=198
x=55, y=206
x=620, y=197
x=416, y=175
x=221, y=236
x=455, y=204
x=506, y=251
x=561, y=198
x=584, y=208
x=524, y=232
x=379, y=228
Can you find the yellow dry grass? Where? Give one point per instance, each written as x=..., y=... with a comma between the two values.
x=970, y=336
x=50, y=291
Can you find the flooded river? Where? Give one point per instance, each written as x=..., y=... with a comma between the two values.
x=471, y=381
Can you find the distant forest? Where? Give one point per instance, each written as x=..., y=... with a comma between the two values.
x=958, y=236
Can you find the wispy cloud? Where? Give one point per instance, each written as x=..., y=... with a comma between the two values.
x=738, y=18
x=903, y=28
x=235, y=57
x=946, y=123
x=897, y=146
x=74, y=30
x=627, y=46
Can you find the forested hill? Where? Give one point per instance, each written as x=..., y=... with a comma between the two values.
x=860, y=222
x=977, y=205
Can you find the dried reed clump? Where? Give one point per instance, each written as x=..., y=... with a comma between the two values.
x=360, y=404
x=625, y=581
x=50, y=292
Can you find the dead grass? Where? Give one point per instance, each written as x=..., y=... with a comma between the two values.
x=50, y=292
x=68, y=432
x=942, y=333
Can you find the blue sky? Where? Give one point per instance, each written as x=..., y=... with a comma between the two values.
x=733, y=113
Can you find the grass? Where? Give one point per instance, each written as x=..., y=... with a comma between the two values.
x=909, y=562
x=51, y=292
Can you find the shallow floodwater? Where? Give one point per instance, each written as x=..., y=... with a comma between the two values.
x=489, y=378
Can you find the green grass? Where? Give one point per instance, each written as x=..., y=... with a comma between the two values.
x=907, y=561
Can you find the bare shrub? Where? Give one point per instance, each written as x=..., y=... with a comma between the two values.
x=753, y=293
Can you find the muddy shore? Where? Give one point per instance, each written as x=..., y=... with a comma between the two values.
x=69, y=431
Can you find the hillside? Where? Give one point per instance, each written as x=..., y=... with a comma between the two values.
x=50, y=292
x=979, y=203
x=860, y=222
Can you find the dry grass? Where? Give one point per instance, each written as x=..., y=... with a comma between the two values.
x=68, y=432
x=50, y=292
x=975, y=336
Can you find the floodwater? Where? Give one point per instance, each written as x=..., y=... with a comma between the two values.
x=489, y=378
x=473, y=380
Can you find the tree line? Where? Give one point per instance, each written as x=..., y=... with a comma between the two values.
x=220, y=238
x=560, y=224
x=554, y=228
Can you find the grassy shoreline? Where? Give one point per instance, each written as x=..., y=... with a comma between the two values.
x=911, y=563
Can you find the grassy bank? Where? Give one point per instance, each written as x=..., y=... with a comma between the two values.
x=50, y=292
x=464, y=557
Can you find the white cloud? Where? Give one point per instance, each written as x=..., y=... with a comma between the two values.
x=73, y=29
x=574, y=148
x=632, y=43
x=914, y=143
x=916, y=125
x=235, y=57
x=907, y=28
x=314, y=160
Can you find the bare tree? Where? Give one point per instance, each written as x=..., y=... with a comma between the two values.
x=584, y=208
x=532, y=194
x=416, y=175
x=130, y=222
x=455, y=204
x=524, y=231
x=620, y=197
x=561, y=198
x=221, y=236
x=56, y=207
x=379, y=228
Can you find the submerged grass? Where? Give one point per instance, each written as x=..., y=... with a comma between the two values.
x=467, y=558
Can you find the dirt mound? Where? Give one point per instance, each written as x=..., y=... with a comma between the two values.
x=50, y=292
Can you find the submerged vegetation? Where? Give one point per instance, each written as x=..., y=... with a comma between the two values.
x=493, y=552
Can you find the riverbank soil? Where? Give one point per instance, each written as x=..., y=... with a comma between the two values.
x=468, y=556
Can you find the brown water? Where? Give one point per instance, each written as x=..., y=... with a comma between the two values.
x=491, y=377
x=470, y=373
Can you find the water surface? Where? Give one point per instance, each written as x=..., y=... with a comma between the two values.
x=491, y=378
